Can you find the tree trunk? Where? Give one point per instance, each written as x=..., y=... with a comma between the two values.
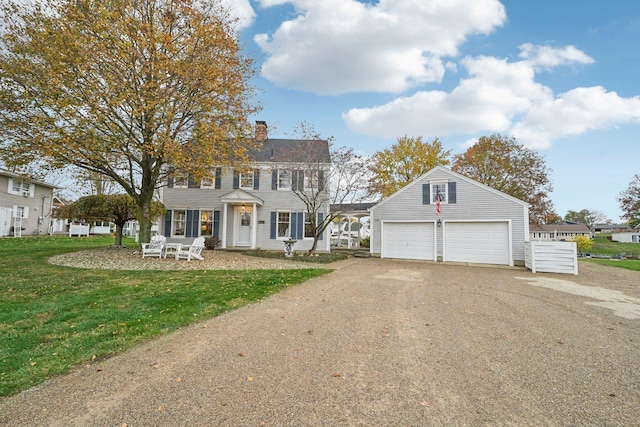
x=144, y=218
x=312, y=251
x=119, y=228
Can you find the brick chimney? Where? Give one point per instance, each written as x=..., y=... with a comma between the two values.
x=261, y=130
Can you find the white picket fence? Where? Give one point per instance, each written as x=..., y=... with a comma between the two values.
x=551, y=257
x=78, y=230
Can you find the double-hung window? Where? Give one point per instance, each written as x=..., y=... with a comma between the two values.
x=439, y=190
x=284, y=224
x=308, y=227
x=311, y=179
x=179, y=222
x=284, y=179
x=181, y=180
x=19, y=188
x=206, y=223
x=246, y=180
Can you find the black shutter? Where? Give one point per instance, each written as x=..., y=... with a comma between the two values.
x=218, y=177
x=300, y=180
x=300, y=225
x=167, y=224
x=195, y=224
x=320, y=180
x=320, y=219
x=236, y=180
x=274, y=180
x=293, y=229
x=170, y=178
x=426, y=194
x=256, y=179
x=187, y=231
x=294, y=180
x=216, y=223
x=274, y=217
x=452, y=192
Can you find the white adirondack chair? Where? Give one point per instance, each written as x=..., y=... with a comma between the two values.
x=155, y=248
x=192, y=251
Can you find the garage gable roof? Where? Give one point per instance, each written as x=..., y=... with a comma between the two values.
x=454, y=175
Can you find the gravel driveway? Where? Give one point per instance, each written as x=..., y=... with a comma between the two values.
x=379, y=343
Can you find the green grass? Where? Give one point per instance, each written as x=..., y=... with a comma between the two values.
x=322, y=258
x=53, y=318
x=629, y=264
x=603, y=246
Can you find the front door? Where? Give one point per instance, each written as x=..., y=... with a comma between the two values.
x=243, y=221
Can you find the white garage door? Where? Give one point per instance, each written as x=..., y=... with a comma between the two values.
x=408, y=240
x=477, y=242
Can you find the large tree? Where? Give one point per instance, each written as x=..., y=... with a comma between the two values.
x=588, y=217
x=123, y=88
x=501, y=163
x=629, y=200
x=404, y=161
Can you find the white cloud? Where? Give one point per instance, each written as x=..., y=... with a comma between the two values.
x=241, y=10
x=501, y=96
x=574, y=113
x=547, y=57
x=340, y=46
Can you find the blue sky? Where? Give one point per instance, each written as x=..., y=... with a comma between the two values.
x=562, y=76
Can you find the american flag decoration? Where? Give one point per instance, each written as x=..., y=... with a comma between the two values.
x=438, y=209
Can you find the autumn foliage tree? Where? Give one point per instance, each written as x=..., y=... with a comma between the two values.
x=501, y=163
x=116, y=208
x=123, y=89
x=404, y=161
x=629, y=200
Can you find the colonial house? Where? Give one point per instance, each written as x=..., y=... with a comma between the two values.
x=25, y=205
x=558, y=232
x=254, y=207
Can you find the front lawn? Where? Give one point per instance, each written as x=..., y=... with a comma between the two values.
x=53, y=318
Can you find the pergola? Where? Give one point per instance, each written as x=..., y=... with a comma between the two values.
x=349, y=211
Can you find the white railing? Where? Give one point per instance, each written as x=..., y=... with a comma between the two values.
x=551, y=257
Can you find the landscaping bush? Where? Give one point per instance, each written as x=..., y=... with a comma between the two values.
x=211, y=242
x=365, y=242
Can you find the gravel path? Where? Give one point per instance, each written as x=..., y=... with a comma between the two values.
x=378, y=343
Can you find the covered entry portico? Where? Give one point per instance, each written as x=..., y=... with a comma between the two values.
x=240, y=209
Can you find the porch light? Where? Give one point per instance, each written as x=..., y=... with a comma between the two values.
x=243, y=206
x=439, y=223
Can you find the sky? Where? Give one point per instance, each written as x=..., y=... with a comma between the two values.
x=561, y=76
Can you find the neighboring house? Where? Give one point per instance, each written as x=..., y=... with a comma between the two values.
x=254, y=207
x=608, y=228
x=25, y=205
x=630, y=236
x=558, y=232
x=475, y=223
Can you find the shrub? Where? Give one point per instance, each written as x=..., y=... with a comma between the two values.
x=211, y=242
x=365, y=242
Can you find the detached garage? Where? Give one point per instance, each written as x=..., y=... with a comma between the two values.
x=444, y=216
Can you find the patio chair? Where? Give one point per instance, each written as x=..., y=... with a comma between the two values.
x=155, y=248
x=192, y=251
